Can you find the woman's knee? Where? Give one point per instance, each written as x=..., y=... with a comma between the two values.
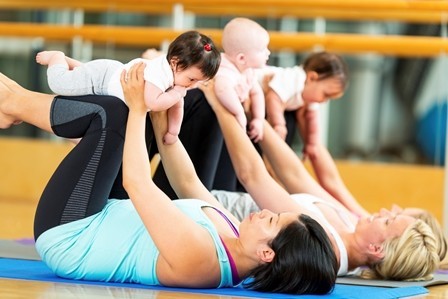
x=112, y=110
x=116, y=113
x=91, y=112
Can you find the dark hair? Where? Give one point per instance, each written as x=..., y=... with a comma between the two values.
x=193, y=48
x=304, y=262
x=327, y=65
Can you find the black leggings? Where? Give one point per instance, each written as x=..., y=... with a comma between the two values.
x=84, y=180
x=91, y=173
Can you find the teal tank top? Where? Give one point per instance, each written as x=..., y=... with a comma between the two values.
x=114, y=245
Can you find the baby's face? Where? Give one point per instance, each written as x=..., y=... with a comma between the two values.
x=320, y=91
x=257, y=54
x=188, y=77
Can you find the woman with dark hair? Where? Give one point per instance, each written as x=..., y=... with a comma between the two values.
x=77, y=221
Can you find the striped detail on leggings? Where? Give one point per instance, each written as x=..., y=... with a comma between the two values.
x=76, y=207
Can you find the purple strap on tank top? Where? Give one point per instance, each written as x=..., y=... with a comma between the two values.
x=235, y=277
x=229, y=222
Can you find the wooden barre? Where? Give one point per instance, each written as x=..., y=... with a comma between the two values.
x=330, y=14
x=418, y=11
x=140, y=5
x=417, y=46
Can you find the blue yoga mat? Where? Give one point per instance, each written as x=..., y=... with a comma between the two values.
x=37, y=270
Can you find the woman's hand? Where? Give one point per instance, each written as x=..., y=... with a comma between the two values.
x=133, y=85
x=208, y=88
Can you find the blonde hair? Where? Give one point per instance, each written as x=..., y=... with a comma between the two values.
x=412, y=256
x=429, y=219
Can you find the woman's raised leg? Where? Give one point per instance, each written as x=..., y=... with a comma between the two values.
x=81, y=184
x=83, y=181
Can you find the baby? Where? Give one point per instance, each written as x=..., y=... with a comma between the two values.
x=191, y=57
x=245, y=45
x=322, y=76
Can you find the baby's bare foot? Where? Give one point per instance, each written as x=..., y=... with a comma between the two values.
x=151, y=53
x=45, y=57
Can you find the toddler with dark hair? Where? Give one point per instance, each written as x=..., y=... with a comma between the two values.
x=191, y=57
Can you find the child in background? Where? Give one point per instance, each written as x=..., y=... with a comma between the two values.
x=191, y=57
x=323, y=76
x=245, y=45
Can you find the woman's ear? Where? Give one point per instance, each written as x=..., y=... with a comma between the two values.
x=376, y=251
x=266, y=254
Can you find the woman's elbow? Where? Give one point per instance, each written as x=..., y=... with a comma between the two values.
x=128, y=184
x=132, y=183
x=246, y=175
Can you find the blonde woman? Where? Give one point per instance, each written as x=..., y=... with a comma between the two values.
x=393, y=246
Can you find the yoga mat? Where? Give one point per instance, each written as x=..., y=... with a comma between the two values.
x=20, y=249
x=37, y=270
x=440, y=277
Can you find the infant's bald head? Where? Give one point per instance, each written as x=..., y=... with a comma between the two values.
x=241, y=35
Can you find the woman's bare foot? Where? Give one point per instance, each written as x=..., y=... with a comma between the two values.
x=8, y=88
x=18, y=104
x=50, y=57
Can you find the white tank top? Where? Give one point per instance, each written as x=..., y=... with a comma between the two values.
x=308, y=201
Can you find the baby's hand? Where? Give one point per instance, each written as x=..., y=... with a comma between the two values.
x=309, y=152
x=256, y=129
x=169, y=138
x=181, y=90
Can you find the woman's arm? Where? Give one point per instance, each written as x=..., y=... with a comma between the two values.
x=288, y=167
x=326, y=171
x=154, y=207
x=179, y=168
x=248, y=164
x=330, y=179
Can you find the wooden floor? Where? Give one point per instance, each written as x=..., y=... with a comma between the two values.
x=23, y=289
